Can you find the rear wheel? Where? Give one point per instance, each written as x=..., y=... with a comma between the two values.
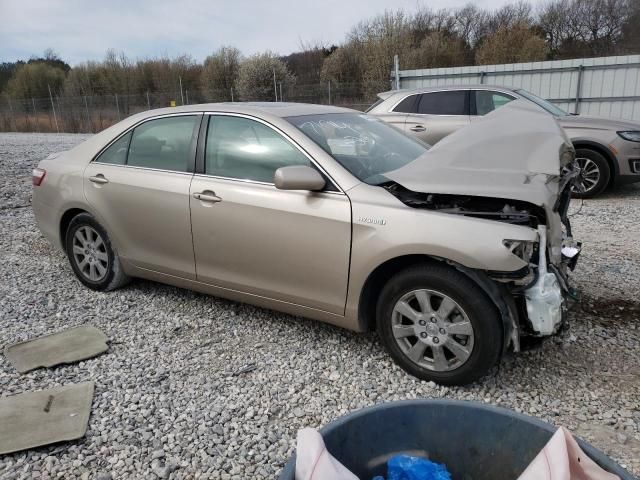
x=439, y=325
x=92, y=257
x=594, y=173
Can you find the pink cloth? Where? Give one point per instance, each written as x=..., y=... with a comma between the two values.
x=562, y=459
x=314, y=462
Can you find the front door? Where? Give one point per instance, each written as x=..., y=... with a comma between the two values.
x=248, y=236
x=139, y=188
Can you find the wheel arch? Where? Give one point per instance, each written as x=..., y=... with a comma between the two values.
x=602, y=150
x=497, y=293
x=65, y=220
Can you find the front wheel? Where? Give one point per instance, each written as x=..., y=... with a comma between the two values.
x=594, y=173
x=92, y=257
x=439, y=325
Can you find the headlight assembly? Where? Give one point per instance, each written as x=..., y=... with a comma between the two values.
x=631, y=135
x=522, y=249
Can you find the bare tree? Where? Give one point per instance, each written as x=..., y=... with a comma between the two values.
x=220, y=73
x=257, y=75
x=518, y=43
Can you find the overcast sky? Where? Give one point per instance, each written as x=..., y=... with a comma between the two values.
x=83, y=30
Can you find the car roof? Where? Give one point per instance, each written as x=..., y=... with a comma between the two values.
x=479, y=86
x=278, y=109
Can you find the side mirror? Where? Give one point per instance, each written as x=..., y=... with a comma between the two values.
x=298, y=177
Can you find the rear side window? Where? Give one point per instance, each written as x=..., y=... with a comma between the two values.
x=487, y=101
x=245, y=149
x=408, y=105
x=116, y=154
x=164, y=143
x=444, y=103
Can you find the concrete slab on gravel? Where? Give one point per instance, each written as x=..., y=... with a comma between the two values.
x=67, y=346
x=33, y=419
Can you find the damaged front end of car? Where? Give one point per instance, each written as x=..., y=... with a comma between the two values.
x=532, y=191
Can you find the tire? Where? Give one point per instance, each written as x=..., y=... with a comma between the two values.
x=595, y=174
x=91, y=255
x=478, y=331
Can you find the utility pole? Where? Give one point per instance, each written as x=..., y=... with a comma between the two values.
x=117, y=107
x=329, y=84
x=275, y=87
x=186, y=92
x=181, y=97
x=148, y=102
x=280, y=84
x=55, y=118
x=232, y=94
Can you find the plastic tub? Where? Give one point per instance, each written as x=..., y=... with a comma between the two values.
x=475, y=441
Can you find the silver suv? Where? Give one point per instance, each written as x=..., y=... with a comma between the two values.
x=607, y=151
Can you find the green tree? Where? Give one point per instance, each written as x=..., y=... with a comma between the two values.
x=34, y=80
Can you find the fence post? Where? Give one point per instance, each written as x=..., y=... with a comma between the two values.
x=396, y=70
x=86, y=109
x=35, y=114
x=576, y=110
x=275, y=87
x=117, y=107
x=54, y=108
x=483, y=74
x=13, y=118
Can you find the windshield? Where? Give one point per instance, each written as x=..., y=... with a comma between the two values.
x=364, y=145
x=541, y=102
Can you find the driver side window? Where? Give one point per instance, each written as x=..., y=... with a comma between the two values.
x=244, y=149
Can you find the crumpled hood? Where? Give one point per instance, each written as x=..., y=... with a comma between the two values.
x=515, y=152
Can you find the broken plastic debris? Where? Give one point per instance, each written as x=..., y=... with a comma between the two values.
x=406, y=467
x=570, y=252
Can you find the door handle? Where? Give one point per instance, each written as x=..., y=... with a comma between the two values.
x=99, y=178
x=418, y=128
x=207, y=196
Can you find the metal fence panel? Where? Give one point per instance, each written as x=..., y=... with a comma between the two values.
x=604, y=86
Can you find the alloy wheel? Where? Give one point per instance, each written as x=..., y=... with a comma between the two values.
x=90, y=253
x=589, y=174
x=432, y=330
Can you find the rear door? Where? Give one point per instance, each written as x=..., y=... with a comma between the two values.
x=486, y=101
x=437, y=114
x=139, y=188
x=291, y=246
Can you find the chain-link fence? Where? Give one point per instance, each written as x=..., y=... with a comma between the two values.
x=92, y=113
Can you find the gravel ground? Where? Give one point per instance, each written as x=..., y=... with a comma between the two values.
x=167, y=401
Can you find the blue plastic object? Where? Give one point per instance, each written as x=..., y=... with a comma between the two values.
x=473, y=440
x=406, y=467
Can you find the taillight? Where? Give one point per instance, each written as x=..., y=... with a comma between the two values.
x=38, y=176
